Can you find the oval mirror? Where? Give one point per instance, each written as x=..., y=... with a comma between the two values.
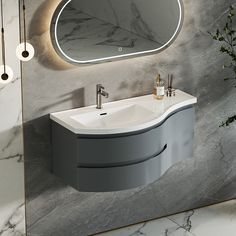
x=92, y=31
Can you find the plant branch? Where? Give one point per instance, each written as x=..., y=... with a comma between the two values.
x=227, y=38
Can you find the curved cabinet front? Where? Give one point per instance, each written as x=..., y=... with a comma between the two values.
x=116, y=162
x=124, y=149
x=119, y=177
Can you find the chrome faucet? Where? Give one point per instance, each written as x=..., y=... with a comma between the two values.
x=99, y=93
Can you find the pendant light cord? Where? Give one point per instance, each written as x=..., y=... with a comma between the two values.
x=24, y=22
x=3, y=39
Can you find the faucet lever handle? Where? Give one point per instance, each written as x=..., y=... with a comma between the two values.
x=99, y=87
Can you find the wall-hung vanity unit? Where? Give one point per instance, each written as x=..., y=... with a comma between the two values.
x=125, y=144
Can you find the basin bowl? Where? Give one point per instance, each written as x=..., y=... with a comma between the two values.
x=119, y=117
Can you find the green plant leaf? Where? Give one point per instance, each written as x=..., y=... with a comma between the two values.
x=229, y=121
x=227, y=38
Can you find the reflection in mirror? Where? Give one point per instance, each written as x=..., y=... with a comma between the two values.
x=85, y=31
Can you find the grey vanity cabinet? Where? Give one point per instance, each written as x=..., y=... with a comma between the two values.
x=100, y=163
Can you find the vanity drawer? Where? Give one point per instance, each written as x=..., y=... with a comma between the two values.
x=122, y=177
x=92, y=151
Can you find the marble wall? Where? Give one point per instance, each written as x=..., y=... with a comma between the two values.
x=51, y=85
x=221, y=220
x=12, y=207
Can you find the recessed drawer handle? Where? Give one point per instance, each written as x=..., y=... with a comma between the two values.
x=111, y=165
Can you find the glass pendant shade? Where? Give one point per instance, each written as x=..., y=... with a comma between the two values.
x=6, y=74
x=25, y=51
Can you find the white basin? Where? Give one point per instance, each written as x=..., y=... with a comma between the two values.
x=122, y=116
x=119, y=117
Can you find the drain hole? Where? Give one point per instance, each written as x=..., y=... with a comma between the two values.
x=103, y=114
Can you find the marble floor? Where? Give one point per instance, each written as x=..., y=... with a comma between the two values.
x=215, y=220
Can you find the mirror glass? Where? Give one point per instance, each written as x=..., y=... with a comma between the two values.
x=90, y=31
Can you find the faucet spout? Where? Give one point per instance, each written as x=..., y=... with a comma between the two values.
x=105, y=94
x=99, y=93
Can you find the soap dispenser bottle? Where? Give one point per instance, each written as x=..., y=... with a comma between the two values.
x=160, y=88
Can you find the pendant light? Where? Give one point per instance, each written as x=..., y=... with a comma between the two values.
x=24, y=51
x=5, y=70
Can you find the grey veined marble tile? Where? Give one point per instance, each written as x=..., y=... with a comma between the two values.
x=12, y=202
x=213, y=220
